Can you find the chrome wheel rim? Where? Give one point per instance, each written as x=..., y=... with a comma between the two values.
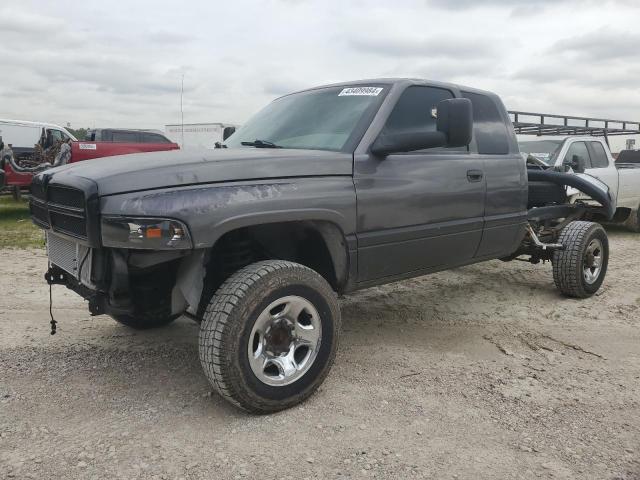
x=284, y=341
x=593, y=258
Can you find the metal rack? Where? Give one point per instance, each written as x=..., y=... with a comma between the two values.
x=529, y=123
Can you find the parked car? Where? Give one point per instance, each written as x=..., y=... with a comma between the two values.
x=28, y=144
x=20, y=159
x=323, y=192
x=126, y=136
x=592, y=156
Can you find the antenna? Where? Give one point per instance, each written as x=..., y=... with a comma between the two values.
x=181, y=109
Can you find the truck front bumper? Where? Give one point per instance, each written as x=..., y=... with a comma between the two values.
x=100, y=276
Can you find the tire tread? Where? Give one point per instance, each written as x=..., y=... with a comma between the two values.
x=567, y=272
x=215, y=352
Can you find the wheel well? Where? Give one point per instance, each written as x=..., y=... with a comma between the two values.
x=318, y=245
x=622, y=215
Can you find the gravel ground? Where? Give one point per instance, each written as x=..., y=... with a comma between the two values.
x=482, y=372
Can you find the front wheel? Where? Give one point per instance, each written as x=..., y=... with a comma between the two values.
x=579, y=269
x=269, y=335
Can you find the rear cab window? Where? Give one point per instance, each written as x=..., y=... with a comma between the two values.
x=125, y=137
x=153, y=138
x=599, y=158
x=489, y=129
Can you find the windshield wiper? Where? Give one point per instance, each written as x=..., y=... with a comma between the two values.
x=260, y=144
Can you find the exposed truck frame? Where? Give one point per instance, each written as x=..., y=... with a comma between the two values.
x=591, y=137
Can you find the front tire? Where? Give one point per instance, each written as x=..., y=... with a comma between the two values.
x=579, y=269
x=269, y=335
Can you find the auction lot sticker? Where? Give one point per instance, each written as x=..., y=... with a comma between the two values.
x=366, y=91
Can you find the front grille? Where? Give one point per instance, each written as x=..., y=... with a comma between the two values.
x=37, y=191
x=71, y=225
x=39, y=214
x=61, y=208
x=69, y=197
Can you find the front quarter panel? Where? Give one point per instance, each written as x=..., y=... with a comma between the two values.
x=210, y=211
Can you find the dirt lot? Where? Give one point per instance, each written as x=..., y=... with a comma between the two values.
x=483, y=372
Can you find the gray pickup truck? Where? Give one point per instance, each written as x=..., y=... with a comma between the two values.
x=323, y=192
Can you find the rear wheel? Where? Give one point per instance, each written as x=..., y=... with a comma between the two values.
x=579, y=269
x=269, y=335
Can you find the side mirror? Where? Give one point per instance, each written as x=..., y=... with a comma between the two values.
x=454, y=128
x=227, y=132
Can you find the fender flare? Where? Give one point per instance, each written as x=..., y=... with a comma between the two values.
x=326, y=222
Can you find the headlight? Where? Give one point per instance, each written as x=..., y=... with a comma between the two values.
x=145, y=233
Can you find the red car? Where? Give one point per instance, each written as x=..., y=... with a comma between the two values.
x=16, y=177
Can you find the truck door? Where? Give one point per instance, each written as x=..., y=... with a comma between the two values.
x=602, y=167
x=421, y=210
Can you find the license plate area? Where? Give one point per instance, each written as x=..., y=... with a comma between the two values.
x=70, y=257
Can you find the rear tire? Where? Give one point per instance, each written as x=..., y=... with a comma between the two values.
x=579, y=269
x=269, y=335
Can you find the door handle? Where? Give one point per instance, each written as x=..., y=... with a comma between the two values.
x=475, y=175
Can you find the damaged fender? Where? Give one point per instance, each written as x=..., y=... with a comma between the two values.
x=584, y=183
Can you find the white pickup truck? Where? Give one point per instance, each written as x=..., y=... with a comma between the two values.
x=591, y=155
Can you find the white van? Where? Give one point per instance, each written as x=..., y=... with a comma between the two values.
x=22, y=135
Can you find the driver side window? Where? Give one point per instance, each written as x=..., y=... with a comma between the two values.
x=579, y=149
x=416, y=109
x=57, y=135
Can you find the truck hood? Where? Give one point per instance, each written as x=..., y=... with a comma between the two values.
x=153, y=170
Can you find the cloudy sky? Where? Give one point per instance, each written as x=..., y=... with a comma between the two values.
x=97, y=63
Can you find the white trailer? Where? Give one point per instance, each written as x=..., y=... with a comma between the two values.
x=21, y=134
x=196, y=135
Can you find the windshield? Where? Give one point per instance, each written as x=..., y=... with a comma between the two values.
x=545, y=150
x=323, y=119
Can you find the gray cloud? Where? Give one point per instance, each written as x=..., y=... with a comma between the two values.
x=432, y=46
x=97, y=65
x=603, y=44
x=167, y=37
x=465, y=4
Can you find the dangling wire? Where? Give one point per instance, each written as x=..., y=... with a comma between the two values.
x=52, y=322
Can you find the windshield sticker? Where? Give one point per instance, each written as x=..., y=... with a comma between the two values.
x=88, y=146
x=366, y=91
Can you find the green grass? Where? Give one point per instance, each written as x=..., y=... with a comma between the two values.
x=16, y=229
